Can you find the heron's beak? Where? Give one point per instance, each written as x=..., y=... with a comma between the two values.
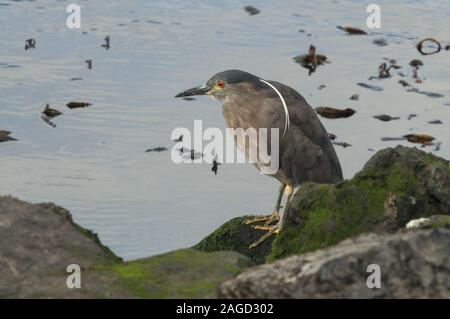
x=199, y=90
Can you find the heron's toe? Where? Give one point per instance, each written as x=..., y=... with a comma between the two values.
x=272, y=230
x=256, y=220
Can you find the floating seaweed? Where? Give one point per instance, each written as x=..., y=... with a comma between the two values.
x=352, y=30
x=89, y=64
x=419, y=138
x=354, y=97
x=179, y=139
x=410, y=116
x=4, y=136
x=435, y=122
x=369, y=86
x=252, y=10
x=437, y=146
x=381, y=42
x=386, y=118
x=429, y=94
x=404, y=83
x=107, y=44
x=311, y=60
x=188, y=98
x=156, y=149
x=77, y=105
x=30, y=44
x=383, y=71
x=333, y=113
x=387, y=139
x=416, y=64
x=215, y=166
x=50, y=112
x=47, y=120
x=343, y=144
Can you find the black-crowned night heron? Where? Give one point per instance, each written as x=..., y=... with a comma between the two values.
x=305, y=150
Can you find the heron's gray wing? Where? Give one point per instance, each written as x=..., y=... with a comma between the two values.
x=307, y=142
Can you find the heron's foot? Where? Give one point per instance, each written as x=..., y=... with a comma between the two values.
x=273, y=218
x=267, y=219
x=271, y=230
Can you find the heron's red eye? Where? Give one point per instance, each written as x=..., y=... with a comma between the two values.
x=221, y=84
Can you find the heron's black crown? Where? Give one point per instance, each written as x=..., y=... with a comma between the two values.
x=234, y=77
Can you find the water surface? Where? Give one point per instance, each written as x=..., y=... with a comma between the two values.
x=94, y=163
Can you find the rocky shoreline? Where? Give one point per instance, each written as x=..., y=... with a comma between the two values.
x=332, y=234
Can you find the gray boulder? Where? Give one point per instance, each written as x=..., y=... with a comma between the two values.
x=412, y=265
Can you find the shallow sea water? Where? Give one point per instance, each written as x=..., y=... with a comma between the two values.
x=94, y=163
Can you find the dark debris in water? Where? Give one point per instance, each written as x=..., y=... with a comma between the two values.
x=189, y=98
x=381, y=42
x=410, y=116
x=48, y=120
x=50, y=112
x=429, y=94
x=156, y=149
x=343, y=144
x=252, y=10
x=179, y=139
x=386, y=118
x=419, y=138
x=435, y=122
x=437, y=146
x=5, y=136
x=369, y=86
x=420, y=46
x=77, y=105
x=215, y=166
x=352, y=30
x=354, y=97
x=30, y=44
x=107, y=44
x=333, y=113
x=311, y=60
x=388, y=139
x=332, y=136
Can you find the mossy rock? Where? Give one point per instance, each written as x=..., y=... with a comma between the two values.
x=186, y=273
x=395, y=186
x=237, y=236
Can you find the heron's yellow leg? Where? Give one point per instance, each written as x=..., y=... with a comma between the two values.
x=269, y=218
x=275, y=229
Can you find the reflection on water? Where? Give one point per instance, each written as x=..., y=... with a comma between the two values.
x=94, y=163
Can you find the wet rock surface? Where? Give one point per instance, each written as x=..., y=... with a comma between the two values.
x=39, y=241
x=412, y=265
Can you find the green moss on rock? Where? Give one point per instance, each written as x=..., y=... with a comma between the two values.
x=186, y=273
x=237, y=236
x=395, y=186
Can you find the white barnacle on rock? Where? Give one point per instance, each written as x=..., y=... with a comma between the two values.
x=418, y=223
